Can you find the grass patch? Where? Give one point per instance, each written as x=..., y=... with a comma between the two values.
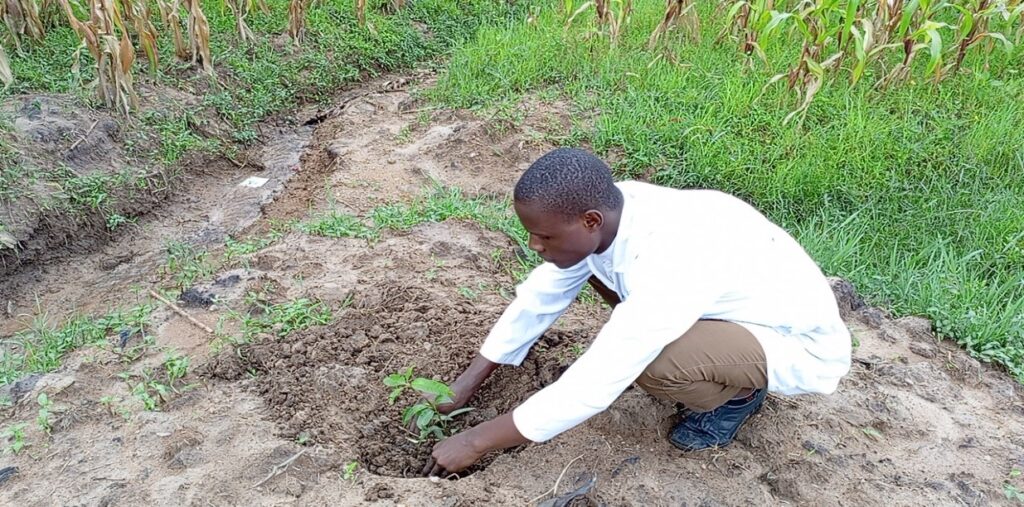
x=912, y=193
x=235, y=249
x=449, y=203
x=338, y=225
x=40, y=348
x=282, y=319
x=187, y=263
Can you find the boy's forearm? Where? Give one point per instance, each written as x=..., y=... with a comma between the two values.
x=474, y=375
x=498, y=433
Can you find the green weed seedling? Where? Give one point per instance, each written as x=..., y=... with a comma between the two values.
x=349, y=472
x=154, y=390
x=43, y=418
x=428, y=419
x=15, y=436
x=110, y=402
x=1013, y=492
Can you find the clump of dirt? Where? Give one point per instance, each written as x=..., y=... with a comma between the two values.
x=327, y=382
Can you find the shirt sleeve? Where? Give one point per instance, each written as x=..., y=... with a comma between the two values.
x=657, y=312
x=540, y=300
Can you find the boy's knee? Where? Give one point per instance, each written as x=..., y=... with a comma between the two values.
x=663, y=376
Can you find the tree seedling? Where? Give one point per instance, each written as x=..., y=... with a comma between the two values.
x=425, y=414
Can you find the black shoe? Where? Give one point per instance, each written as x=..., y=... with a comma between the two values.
x=717, y=428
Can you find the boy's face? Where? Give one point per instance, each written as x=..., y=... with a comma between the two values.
x=559, y=240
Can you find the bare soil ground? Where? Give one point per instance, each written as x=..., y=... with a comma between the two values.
x=917, y=422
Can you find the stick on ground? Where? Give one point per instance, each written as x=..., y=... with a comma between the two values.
x=554, y=489
x=181, y=312
x=280, y=468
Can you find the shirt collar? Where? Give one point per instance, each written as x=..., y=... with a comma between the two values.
x=619, y=248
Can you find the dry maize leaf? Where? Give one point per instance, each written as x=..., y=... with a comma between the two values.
x=297, y=19
x=199, y=36
x=126, y=84
x=33, y=25
x=361, y=11
x=14, y=19
x=140, y=16
x=165, y=10
x=240, y=9
x=174, y=21
x=126, y=54
x=6, y=76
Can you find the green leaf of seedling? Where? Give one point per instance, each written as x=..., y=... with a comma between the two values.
x=428, y=386
x=411, y=412
x=395, y=393
x=424, y=417
x=1015, y=472
x=437, y=432
x=395, y=380
x=460, y=411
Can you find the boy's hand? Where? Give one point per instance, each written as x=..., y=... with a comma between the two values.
x=452, y=455
x=461, y=450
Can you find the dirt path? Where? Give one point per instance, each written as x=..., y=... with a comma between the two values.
x=275, y=423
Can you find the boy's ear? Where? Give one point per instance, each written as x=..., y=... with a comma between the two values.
x=593, y=219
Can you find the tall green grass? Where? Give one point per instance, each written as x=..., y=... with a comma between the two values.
x=914, y=193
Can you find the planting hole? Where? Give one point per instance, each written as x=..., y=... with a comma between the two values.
x=326, y=383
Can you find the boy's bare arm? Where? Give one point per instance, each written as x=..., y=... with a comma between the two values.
x=469, y=382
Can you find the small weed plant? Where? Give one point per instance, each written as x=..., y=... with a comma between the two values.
x=15, y=437
x=43, y=418
x=154, y=388
x=349, y=472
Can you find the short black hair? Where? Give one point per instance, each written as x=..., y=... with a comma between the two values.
x=569, y=182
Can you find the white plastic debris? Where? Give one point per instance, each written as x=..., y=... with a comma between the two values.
x=254, y=182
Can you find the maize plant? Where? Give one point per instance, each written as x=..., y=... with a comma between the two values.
x=138, y=12
x=6, y=76
x=890, y=35
x=240, y=9
x=113, y=53
x=199, y=36
x=677, y=13
x=171, y=15
x=297, y=20
x=973, y=26
x=361, y=12
x=611, y=16
x=22, y=20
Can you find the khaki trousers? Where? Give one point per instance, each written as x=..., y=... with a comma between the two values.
x=705, y=367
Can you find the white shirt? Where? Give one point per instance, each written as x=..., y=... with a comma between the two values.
x=678, y=256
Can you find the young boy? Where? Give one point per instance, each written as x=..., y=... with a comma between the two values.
x=714, y=306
